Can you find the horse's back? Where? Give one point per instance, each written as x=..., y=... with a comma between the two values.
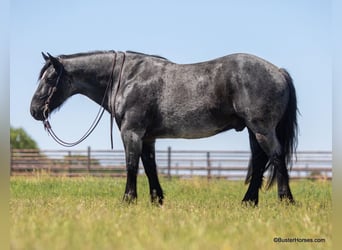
x=224, y=83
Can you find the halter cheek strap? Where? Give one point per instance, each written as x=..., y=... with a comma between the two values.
x=52, y=91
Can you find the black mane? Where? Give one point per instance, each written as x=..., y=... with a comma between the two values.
x=81, y=54
x=143, y=54
x=105, y=51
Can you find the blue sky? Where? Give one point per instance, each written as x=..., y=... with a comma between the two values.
x=296, y=35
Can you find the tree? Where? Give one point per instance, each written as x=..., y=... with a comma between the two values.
x=21, y=140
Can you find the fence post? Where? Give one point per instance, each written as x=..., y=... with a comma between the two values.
x=169, y=163
x=88, y=159
x=69, y=162
x=69, y=158
x=208, y=165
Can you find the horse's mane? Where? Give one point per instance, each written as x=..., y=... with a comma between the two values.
x=81, y=54
x=70, y=56
x=105, y=51
x=143, y=54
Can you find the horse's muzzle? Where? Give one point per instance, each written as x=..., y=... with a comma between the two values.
x=37, y=113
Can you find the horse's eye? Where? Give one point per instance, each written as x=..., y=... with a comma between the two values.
x=50, y=79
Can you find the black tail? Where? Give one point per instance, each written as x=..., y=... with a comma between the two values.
x=287, y=129
x=287, y=132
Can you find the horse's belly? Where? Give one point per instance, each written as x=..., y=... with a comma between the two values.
x=196, y=127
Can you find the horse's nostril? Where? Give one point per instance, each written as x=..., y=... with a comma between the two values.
x=36, y=114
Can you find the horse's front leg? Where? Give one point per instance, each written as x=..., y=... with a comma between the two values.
x=149, y=162
x=257, y=163
x=133, y=146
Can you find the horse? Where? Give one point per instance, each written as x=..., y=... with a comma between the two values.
x=151, y=97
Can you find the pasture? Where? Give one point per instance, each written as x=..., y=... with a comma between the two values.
x=87, y=213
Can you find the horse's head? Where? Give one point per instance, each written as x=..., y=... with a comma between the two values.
x=53, y=88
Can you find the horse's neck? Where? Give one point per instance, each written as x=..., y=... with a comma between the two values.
x=90, y=76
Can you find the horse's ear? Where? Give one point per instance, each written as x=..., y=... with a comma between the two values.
x=55, y=62
x=45, y=56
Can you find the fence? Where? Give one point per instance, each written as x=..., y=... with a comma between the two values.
x=171, y=163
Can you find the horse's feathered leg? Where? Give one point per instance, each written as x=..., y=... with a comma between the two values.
x=149, y=162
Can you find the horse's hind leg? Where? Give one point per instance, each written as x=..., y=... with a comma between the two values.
x=257, y=165
x=270, y=144
x=284, y=191
x=149, y=162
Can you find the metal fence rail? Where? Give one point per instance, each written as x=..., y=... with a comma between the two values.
x=210, y=164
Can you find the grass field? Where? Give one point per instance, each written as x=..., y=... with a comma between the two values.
x=87, y=213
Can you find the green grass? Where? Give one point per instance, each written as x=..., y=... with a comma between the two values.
x=87, y=213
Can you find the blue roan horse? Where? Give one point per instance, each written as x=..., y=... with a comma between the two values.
x=151, y=97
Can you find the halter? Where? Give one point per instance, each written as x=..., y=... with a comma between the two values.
x=99, y=115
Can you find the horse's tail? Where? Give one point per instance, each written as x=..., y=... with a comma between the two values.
x=286, y=131
x=287, y=128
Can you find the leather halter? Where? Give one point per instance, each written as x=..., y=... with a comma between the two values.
x=108, y=92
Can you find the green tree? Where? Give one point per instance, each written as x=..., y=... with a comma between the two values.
x=21, y=140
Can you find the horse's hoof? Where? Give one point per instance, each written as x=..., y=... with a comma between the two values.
x=129, y=199
x=156, y=199
x=249, y=203
x=287, y=200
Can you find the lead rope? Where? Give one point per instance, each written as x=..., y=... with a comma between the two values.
x=96, y=121
x=112, y=106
